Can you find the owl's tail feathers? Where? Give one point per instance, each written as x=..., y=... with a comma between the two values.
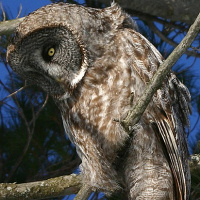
x=174, y=159
x=174, y=117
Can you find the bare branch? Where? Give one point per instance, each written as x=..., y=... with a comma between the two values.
x=8, y=27
x=20, y=10
x=3, y=12
x=14, y=93
x=185, y=11
x=135, y=114
x=55, y=187
x=149, y=17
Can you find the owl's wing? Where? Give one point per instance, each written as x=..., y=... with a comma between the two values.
x=169, y=109
x=174, y=102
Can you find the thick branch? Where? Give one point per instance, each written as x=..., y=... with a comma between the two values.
x=184, y=11
x=55, y=187
x=8, y=27
x=135, y=114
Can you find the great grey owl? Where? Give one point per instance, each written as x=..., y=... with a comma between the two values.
x=95, y=65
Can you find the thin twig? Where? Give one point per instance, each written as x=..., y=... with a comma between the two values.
x=11, y=107
x=168, y=40
x=148, y=17
x=3, y=12
x=14, y=93
x=20, y=10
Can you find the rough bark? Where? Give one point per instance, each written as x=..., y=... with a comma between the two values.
x=8, y=27
x=179, y=10
x=55, y=187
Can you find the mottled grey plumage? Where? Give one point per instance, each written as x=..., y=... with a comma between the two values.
x=95, y=65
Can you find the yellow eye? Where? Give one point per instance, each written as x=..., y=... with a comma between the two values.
x=51, y=52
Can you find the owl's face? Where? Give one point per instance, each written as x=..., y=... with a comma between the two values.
x=51, y=58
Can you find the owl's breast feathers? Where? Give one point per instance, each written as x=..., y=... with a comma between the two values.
x=114, y=83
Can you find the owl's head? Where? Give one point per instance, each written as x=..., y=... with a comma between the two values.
x=48, y=53
x=53, y=45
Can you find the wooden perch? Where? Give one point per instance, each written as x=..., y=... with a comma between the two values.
x=8, y=27
x=54, y=187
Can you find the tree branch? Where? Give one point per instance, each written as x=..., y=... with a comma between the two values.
x=135, y=114
x=8, y=27
x=13, y=93
x=185, y=11
x=149, y=17
x=55, y=187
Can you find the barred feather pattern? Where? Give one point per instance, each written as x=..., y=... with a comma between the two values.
x=96, y=76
